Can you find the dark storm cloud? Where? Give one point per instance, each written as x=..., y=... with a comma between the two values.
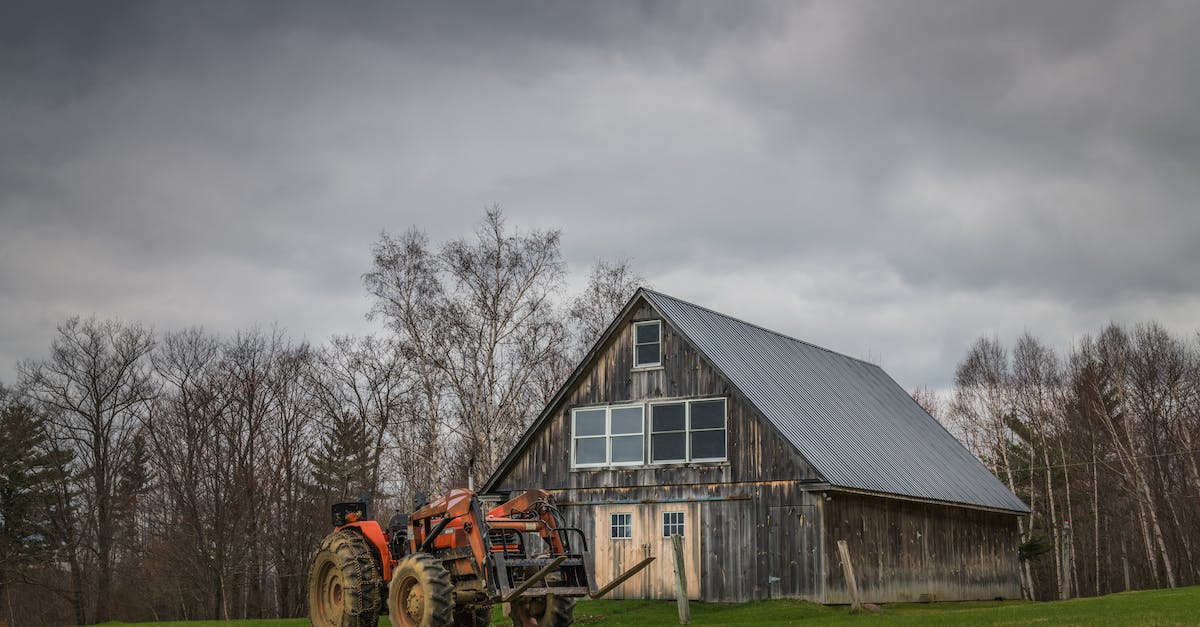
x=888, y=179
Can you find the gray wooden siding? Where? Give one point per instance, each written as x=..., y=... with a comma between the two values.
x=910, y=551
x=757, y=541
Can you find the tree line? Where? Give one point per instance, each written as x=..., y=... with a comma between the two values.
x=187, y=475
x=1101, y=441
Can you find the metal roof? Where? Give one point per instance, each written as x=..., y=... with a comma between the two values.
x=847, y=417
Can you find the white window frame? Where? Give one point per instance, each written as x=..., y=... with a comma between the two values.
x=646, y=323
x=724, y=429
x=681, y=525
x=608, y=435
x=613, y=525
x=651, y=433
x=688, y=430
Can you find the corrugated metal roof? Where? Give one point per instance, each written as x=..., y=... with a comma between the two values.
x=847, y=417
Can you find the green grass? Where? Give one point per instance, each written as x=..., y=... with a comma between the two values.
x=1155, y=607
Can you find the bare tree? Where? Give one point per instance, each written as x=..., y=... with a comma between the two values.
x=363, y=382
x=1035, y=384
x=479, y=318
x=409, y=295
x=95, y=387
x=983, y=404
x=928, y=400
x=609, y=287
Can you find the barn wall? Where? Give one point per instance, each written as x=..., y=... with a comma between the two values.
x=757, y=541
x=756, y=452
x=910, y=551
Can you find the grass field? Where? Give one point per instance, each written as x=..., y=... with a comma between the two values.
x=1156, y=607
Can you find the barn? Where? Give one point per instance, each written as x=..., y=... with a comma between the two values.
x=763, y=451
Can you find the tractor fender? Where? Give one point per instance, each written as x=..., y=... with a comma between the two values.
x=374, y=534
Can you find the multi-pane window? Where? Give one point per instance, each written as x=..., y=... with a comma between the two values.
x=668, y=432
x=706, y=429
x=608, y=436
x=687, y=431
x=673, y=524
x=647, y=344
x=621, y=526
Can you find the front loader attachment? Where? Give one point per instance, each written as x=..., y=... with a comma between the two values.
x=637, y=568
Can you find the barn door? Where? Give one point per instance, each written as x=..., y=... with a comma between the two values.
x=792, y=567
x=625, y=534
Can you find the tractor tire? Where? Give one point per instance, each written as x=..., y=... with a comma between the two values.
x=420, y=594
x=473, y=616
x=548, y=611
x=344, y=583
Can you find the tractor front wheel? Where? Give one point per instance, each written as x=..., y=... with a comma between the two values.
x=547, y=611
x=420, y=594
x=344, y=583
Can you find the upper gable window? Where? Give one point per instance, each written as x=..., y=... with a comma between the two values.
x=647, y=344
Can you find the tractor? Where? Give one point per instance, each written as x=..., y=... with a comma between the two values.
x=446, y=564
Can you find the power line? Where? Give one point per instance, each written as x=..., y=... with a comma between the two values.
x=1108, y=461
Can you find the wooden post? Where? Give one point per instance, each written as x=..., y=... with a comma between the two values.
x=681, y=596
x=1065, y=581
x=848, y=572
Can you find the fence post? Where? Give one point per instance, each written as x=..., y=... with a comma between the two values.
x=681, y=596
x=848, y=572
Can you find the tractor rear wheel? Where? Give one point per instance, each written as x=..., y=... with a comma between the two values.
x=420, y=594
x=344, y=583
x=547, y=611
x=473, y=616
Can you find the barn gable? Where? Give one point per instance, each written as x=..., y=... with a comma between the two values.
x=756, y=451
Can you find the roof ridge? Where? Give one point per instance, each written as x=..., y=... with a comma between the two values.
x=759, y=327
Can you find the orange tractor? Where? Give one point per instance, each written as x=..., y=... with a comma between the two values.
x=447, y=564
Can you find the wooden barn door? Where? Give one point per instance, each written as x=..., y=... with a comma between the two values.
x=644, y=526
x=792, y=563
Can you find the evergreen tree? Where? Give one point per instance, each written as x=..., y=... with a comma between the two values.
x=341, y=463
x=28, y=468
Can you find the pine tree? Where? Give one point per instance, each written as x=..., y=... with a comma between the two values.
x=340, y=466
x=28, y=468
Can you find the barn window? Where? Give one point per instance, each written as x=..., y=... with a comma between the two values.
x=706, y=430
x=647, y=344
x=687, y=431
x=608, y=436
x=673, y=524
x=621, y=527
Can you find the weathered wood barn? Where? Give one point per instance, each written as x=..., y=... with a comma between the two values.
x=763, y=451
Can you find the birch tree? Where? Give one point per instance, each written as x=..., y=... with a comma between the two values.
x=480, y=317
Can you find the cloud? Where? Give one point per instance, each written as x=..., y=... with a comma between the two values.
x=889, y=180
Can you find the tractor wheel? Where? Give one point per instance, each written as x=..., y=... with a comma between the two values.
x=473, y=616
x=547, y=611
x=344, y=583
x=420, y=594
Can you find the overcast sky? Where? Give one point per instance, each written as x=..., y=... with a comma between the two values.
x=887, y=179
